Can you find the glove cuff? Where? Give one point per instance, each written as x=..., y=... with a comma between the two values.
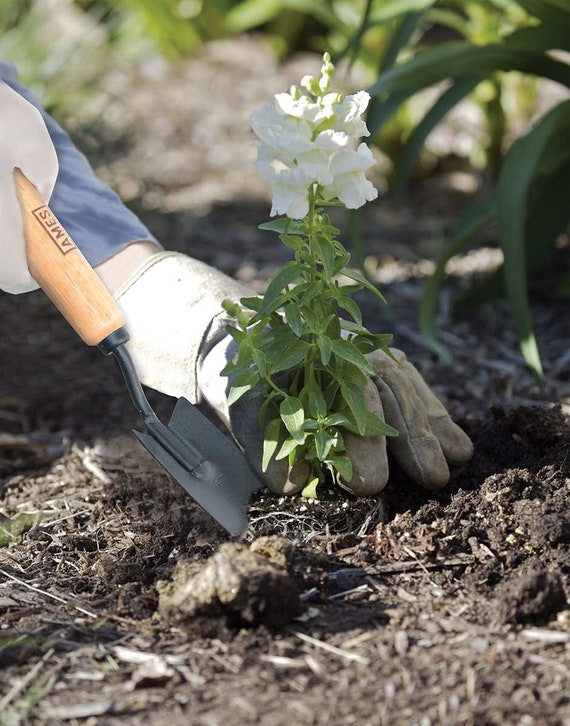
x=173, y=310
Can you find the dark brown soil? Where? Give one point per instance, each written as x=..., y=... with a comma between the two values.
x=420, y=608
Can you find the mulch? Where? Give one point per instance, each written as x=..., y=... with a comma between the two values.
x=415, y=608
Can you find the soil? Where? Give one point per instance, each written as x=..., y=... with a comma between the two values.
x=121, y=602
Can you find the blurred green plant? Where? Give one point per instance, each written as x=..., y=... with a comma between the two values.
x=530, y=195
x=490, y=50
x=61, y=48
x=59, y=55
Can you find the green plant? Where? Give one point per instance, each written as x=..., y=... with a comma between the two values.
x=529, y=200
x=294, y=350
x=62, y=48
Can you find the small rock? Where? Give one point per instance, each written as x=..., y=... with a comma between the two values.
x=276, y=549
x=563, y=620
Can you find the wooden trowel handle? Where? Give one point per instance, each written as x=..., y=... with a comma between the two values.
x=58, y=266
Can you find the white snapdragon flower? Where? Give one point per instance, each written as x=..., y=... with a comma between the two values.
x=348, y=114
x=307, y=140
x=349, y=184
x=291, y=193
x=283, y=136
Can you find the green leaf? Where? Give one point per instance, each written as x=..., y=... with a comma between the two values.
x=541, y=38
x=354, y=397
x=310, y=490
x=13, y=528
x=242, y=364
x=325, y=254
x=293, y=416
x=369, y=342
x=351, y=307
x=548, y=215
x=238, y=335
x=293, y=318
x=250, y=14
x=359, y=277
x=337, y=419
x=325, y=348
x=311, y=425
x=560, y=4
x=347, y=351
x=519, y=168
x=293, y=356
x=376, y=427
x=242, y=384
x=323, y=444
x=390, y=9
x=407, y=160
x=477, y=216
x=554, y=14
x=276, y=340
x=268, y=403
x=292, y=241
x=288, y=446
x=402, y=35
x=354, y=42
x=275, y=225
x=260, y=361
x=316, y=404
x=331, y=325
x=251, y=303
x=343, y=466
x=461, y=60
x=287, y=275
x=271, y=436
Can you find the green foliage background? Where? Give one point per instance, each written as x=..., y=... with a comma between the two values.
x=490, y=50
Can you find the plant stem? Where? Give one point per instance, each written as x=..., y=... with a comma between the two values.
x=313, y=278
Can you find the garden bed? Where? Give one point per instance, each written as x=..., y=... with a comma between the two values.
x=432, y=608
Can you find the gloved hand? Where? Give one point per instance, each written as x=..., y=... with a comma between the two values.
x=178, y=341
x=24, y=143
x=90, y=211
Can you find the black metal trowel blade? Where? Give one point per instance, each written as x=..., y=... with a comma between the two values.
x=211, y=469
x=214, y=472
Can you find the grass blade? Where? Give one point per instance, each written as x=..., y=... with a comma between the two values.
x=519, y=169
x=464, y=60
x=416, y=140
x=478, y=215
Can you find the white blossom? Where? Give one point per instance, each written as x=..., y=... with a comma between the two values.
x=349, y=184
x=349, y=114
x=311, y=139
x=291, y=193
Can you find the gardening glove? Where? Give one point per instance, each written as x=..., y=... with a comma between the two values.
x=173, y=311
x=172, y=305
x=24, y=143
x=92, y=214
x=428, y=441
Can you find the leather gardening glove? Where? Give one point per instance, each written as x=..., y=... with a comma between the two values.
x=428, y=439
x=21, y=126
x=173, y=310
x=90, y=211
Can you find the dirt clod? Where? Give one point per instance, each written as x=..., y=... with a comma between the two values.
x=244, y=586
x=535, y=597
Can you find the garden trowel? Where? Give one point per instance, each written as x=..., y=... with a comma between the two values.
x=190, y=448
